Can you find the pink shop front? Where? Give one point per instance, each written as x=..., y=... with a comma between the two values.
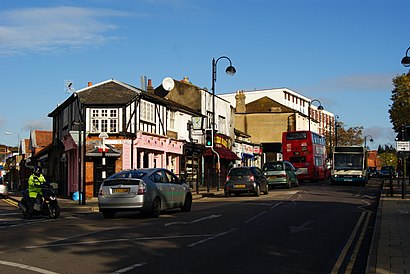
x=155, y=151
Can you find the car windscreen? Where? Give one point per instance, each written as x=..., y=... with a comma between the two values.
x=275, y=166
x=239, y=172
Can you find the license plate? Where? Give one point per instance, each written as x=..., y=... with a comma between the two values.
x=239, y=186
x=121, y=190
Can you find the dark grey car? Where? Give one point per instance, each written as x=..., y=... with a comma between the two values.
x=245, y=180
x=148, y=190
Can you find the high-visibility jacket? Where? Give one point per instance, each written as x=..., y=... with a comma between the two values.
x=34, y=183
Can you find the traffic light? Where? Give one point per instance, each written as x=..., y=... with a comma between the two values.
x=209, y=137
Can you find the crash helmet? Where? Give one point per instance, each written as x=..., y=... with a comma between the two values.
x=38, y=170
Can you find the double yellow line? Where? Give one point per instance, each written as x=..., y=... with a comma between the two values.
x=11, y=202
x=357, y=232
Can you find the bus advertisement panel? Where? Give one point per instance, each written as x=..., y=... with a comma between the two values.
x=306, y=150
x=349, y=165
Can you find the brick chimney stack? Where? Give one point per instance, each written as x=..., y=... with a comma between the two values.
x=150, y=88
x=240, y=102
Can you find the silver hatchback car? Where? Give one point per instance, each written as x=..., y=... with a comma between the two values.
x=148, y=190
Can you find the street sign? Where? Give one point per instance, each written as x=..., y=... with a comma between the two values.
x=403, y=145
x=103, y=135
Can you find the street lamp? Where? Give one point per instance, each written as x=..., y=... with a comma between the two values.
x=230, y=70
x=320, y=107
x=406, y=59
x=365, y=139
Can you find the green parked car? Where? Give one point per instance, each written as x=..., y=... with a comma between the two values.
x=280, y=173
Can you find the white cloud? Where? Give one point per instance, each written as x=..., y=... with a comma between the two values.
x=52, y=29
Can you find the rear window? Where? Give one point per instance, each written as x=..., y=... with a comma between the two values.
x=274, y=166
x=128, y=174
x=240, y=172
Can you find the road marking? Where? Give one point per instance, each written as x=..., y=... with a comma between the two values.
x=128, y=268
x=194, y=221
x=342, y=255
x=254, y=217
x=119, y=240
x=301, y=228
x=27, y=267
x=353, y=258
x=212, y=237
x=11, y=202
x=275, y=205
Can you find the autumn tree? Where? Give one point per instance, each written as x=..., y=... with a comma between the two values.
x=399, y=111
x=351, y=136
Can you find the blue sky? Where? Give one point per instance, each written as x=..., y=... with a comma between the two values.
x=343, y=53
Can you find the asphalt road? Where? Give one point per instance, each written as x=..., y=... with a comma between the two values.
x=316, y=228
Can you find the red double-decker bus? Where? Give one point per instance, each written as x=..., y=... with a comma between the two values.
x=306, y=150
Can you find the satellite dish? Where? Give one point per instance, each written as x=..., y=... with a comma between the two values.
x=168, y=83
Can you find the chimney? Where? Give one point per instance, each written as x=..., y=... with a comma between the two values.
x=240, y=102
x=90, y=84
x=150, y=88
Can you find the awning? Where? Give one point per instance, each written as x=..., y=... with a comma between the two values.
x=223, y=153
x=96, y=152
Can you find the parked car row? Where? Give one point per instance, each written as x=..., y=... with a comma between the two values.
x=152, y=190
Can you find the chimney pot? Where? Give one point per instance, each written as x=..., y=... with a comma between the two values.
x=90, y=84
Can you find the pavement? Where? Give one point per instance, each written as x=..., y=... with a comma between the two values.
x=390, y=247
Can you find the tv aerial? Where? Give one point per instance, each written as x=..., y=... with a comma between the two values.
x=69, y=86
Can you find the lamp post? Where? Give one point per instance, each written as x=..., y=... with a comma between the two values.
x=230, y=70
x=365, y=140
x=320, y=107
x=406, y=59
x=336, y=127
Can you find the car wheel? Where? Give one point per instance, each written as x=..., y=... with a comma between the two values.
x=257, y=191
x=187, y=203
x=155, y=208
x=266, y=189
x=108, y=213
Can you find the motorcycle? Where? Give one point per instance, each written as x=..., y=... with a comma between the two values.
x=48, y=205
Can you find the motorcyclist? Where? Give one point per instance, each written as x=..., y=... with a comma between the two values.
x=35, y=182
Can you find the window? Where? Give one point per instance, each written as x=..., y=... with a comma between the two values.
x=221, y=124
x=147, y=111
x=171, y=119
x=104, y=120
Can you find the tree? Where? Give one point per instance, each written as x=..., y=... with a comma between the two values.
x=399, y=112
x=352, y=136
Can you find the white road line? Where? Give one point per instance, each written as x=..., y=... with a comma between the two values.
x=128, y=268
x=118, y=240
x=194, y=221
x=212, y=237
x=275, y=205
x=27, y=267
x=254, y=217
